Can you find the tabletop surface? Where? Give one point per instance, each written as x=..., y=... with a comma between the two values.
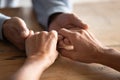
x=103, y=20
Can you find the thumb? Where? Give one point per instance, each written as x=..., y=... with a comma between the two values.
x=31, y=33
x=80, y=24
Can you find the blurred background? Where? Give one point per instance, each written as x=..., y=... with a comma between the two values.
x=27, y=3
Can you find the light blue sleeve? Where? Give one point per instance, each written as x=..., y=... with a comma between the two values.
x=45, y=8
x=2, y=19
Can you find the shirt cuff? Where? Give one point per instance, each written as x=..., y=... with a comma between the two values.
x=2, y=19
x=44, y=19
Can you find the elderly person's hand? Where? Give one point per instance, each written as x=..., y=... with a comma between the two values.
x=85, y=47
x=66, y=20
x=15, y=31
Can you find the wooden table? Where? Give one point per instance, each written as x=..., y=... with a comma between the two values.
x=104, y=22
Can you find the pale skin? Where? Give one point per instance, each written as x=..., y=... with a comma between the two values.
x=88, y=49
x=41, y=53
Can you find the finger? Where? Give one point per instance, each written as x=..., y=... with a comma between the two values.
x=21, y=27
x=61, y=44
x=60, y=37
x=67, y=26
x=67, y=53
x=37, y=33
x=53, y=37
x=76, y=29
x=71, y=36
x=25, y=33
x=53, y=26
x=65, y=32
x=66, y=41
x=43, y=35
x=43, y=32
x=78, y=23
x=31, y=33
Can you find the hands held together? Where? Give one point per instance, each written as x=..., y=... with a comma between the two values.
x=42, y=48
x=45, y=45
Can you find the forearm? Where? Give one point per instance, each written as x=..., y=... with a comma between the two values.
x=30, y=71
x=111, y=58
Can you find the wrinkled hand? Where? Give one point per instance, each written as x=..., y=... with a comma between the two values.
x=41, y=46
x=85, y=47
x=15, y=31
x=68, y=21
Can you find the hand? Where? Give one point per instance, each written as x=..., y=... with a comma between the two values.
x=41, y=46
x=66, y=20
x=41, y=53
x=15, y=31
x=85, y=47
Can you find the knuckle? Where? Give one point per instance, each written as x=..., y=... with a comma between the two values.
x=81, y=31
x=52, y=36
x=76, y=34
x=53, y=33
x=36, y=33
x=44, y=32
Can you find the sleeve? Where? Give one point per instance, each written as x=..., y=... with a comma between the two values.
x=45, y=8
x=2, y=19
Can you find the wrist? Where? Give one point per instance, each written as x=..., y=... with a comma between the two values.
x=109, y=55
x=38, y=60
x=30, y=71
x=102, y=55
